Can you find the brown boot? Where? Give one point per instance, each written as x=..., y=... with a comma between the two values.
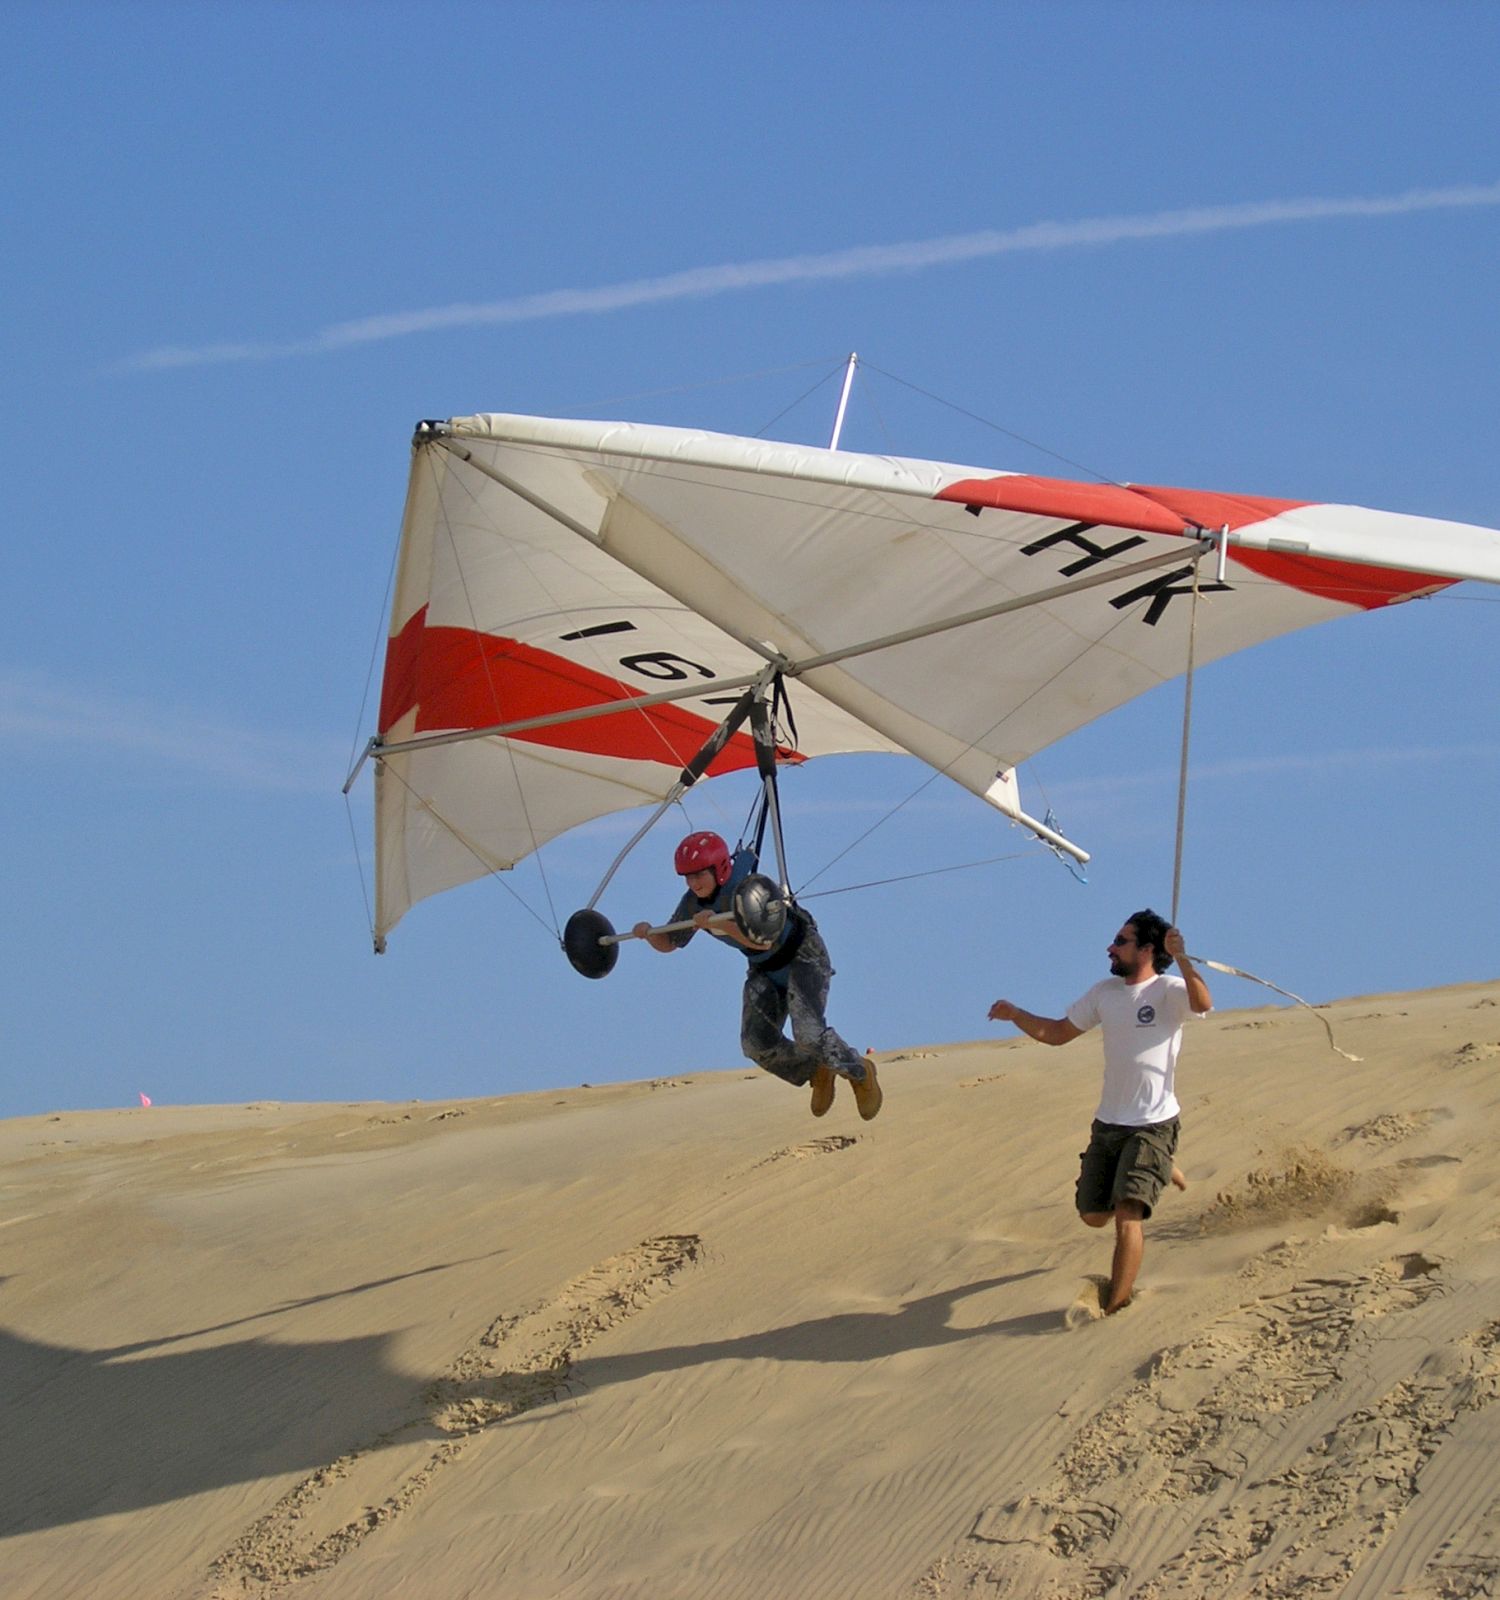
x=867, y=1092
x=824, y=1082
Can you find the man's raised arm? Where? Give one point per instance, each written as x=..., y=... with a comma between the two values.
x=1198, y=996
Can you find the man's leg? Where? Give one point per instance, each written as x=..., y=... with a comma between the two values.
x=808, y=980
x=762, y=1016
x=1094, y=1193
x=1130, y=1246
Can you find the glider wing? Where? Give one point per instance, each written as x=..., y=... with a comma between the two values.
x=551, y=570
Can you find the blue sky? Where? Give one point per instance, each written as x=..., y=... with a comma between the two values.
x=1239, y=246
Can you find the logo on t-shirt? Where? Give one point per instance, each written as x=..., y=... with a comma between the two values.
x=1145, y=1015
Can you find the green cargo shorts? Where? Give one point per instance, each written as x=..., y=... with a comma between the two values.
x=1123, y=1163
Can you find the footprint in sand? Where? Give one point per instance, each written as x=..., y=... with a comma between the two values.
x=1390, y=1128
x=1279, y=1452
x=524, y=1360
x=814, y=1147
x=1089, y=1305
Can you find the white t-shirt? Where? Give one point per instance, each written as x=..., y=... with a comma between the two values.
x=1142, y=1026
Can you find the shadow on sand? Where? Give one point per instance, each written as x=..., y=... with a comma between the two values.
x=89, y=1433
x=921, y=1324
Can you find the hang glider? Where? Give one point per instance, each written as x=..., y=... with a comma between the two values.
x=578, y=605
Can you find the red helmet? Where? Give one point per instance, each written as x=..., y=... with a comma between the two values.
x=700, y=851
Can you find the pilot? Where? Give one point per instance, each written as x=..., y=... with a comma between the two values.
x=786, y=980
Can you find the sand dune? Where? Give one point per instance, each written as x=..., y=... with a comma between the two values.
x=679, y=1339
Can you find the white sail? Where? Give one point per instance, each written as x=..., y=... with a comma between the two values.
x=551, y=568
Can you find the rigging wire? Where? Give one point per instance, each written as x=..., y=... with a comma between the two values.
x=930, y=872
x=1187, y=724
x=760, y=432
x=880, y=422
x=1181, y=831
x=995, y=427
x=1033, y=444
x=381, y=626
x=359, y=867
x=1265, y=983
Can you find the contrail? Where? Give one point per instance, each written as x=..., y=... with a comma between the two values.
x=863, y=261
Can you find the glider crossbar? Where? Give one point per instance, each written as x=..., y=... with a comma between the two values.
x=500, y=730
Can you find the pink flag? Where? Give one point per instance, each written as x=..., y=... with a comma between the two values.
x=145, y=1099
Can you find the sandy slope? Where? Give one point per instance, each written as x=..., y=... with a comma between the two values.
x=678, y=1339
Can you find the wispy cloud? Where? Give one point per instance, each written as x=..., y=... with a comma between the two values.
x=1245, y=768
x=38, y=713
x=861, y=262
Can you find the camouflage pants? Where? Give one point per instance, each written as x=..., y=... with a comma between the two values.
x=768, y=1005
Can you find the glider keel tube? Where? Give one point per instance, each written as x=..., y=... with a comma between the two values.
x=1050, y=836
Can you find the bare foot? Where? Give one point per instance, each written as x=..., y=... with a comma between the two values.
x=1178, y=1180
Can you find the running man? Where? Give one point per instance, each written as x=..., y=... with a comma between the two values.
x=1140, y=1009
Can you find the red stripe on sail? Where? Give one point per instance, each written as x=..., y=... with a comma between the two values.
x=1103, y=504
x=1345, y=582
x=1153, y=508
x=1142, y=506
x=1349, y=583
x=455, y=678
